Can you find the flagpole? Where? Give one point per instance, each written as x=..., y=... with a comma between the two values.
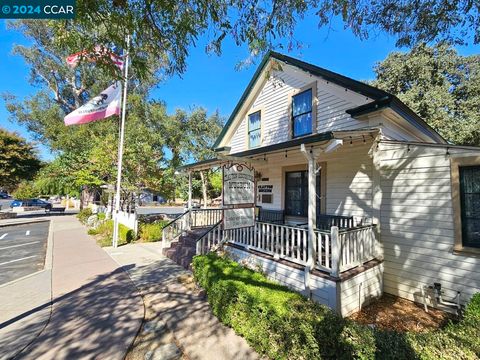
x=120, y=149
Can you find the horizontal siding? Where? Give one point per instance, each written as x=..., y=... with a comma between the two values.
x=273, y=99
x=360, y=289
x=417, y=229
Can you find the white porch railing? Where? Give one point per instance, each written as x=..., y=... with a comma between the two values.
x=195, y=218
x=335, y=251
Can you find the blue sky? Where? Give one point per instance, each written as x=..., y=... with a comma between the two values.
x=212, y=81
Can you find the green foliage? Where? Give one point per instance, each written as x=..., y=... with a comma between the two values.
x=170, y=29
x=440, y=85
x=84, y=214
x=26, y=190
x=101, y=216
x=104, y=234
x=151, y=232
x=18, y=160
x=281, y=324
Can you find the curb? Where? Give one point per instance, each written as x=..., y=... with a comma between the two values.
x=23, y=222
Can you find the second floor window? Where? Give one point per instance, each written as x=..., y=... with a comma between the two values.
x=302, y=113
x=254, y=130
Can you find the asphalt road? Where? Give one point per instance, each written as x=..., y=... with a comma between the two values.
x=22, y=250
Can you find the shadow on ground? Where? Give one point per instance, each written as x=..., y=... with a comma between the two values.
x=98, y=320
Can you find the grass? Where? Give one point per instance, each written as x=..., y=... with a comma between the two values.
x=281, y=324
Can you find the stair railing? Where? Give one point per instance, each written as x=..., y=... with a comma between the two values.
x=211, y=240
x=175, y=228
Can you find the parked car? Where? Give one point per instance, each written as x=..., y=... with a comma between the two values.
x=31, y=202
x=4, y=195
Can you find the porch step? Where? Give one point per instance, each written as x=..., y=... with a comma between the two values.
x=183, y=250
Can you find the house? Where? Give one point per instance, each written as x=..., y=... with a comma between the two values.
x=357, y=195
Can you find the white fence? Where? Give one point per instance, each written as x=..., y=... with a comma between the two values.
x=128, y=219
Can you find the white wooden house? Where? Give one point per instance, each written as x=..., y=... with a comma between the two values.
x=357, y=194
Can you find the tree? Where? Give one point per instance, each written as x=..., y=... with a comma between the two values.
x=440, y=85
x=201, y=133
x=18, y=160
x=170, y=29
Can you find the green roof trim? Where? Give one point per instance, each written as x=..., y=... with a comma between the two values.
x=398, y=106
x=380, y=97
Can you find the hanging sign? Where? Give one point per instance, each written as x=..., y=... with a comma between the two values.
x=238, y=218
x=238, y=185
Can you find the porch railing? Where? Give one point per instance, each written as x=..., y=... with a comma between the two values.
x=205, y=217
x=335, y=251
x=174, y=229
x=191, y=219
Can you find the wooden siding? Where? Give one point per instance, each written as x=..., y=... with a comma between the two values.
x=359, y=290
x=349, y=177
x=417, y=228
x=274, y=97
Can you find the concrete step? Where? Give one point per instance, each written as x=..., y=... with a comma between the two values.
x=183, y=250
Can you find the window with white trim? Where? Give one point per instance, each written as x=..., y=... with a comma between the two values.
x=254, y=130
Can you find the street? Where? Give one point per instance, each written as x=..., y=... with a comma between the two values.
x=22, y=250
x=169, y=210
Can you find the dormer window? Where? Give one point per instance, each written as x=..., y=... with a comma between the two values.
x=254, y=130
x=302, y=113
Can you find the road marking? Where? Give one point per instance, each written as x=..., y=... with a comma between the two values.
x=3, y=236
x=13, y=246
x=11, y=261
x=27, y=233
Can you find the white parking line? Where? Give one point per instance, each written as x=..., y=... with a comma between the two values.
x=13, y=246
x=11, y=261
x=3, y=236
x=27, y=233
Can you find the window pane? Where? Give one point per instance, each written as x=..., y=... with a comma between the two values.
x=302, y=103
x=302, y=124
x=296, y=193
x=254, y=121
x=254, y=138
x=470, y=200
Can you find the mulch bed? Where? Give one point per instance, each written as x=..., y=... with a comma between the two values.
x=394, y=313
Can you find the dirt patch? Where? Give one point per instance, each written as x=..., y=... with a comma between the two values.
x=394, y=313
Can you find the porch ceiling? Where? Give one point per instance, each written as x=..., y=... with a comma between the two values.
x=249, y=155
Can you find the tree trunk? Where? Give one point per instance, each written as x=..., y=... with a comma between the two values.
x=204, y=188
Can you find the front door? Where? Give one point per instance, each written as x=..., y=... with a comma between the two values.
x=296, y=193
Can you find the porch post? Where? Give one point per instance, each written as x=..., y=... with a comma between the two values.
x=189, y=204
x=312, y=204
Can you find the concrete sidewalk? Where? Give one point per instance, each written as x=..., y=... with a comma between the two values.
x=184, y=318
x=84, y=307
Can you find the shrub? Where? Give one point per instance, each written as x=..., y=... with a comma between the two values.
x=101, y=216
x=151, y=232
x=105, y=234
x=84, y=214
x=282, y=324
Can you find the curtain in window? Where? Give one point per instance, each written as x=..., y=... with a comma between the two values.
x=302, y=113
x=254, y=132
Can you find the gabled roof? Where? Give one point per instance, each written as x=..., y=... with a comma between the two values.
x=372, y=92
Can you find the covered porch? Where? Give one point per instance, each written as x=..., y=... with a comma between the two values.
x=314, y=212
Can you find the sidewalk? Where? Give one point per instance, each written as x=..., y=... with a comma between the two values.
x=95, y=312
x=185, y=319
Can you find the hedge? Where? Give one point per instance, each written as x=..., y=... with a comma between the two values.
x=152, y=231
x=104, y=234
x=282, y=324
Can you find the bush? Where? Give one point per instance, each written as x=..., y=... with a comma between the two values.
x=104, y=234
x=151, y=232
x=101, y=216
x=84, y=214
x=282, y=324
